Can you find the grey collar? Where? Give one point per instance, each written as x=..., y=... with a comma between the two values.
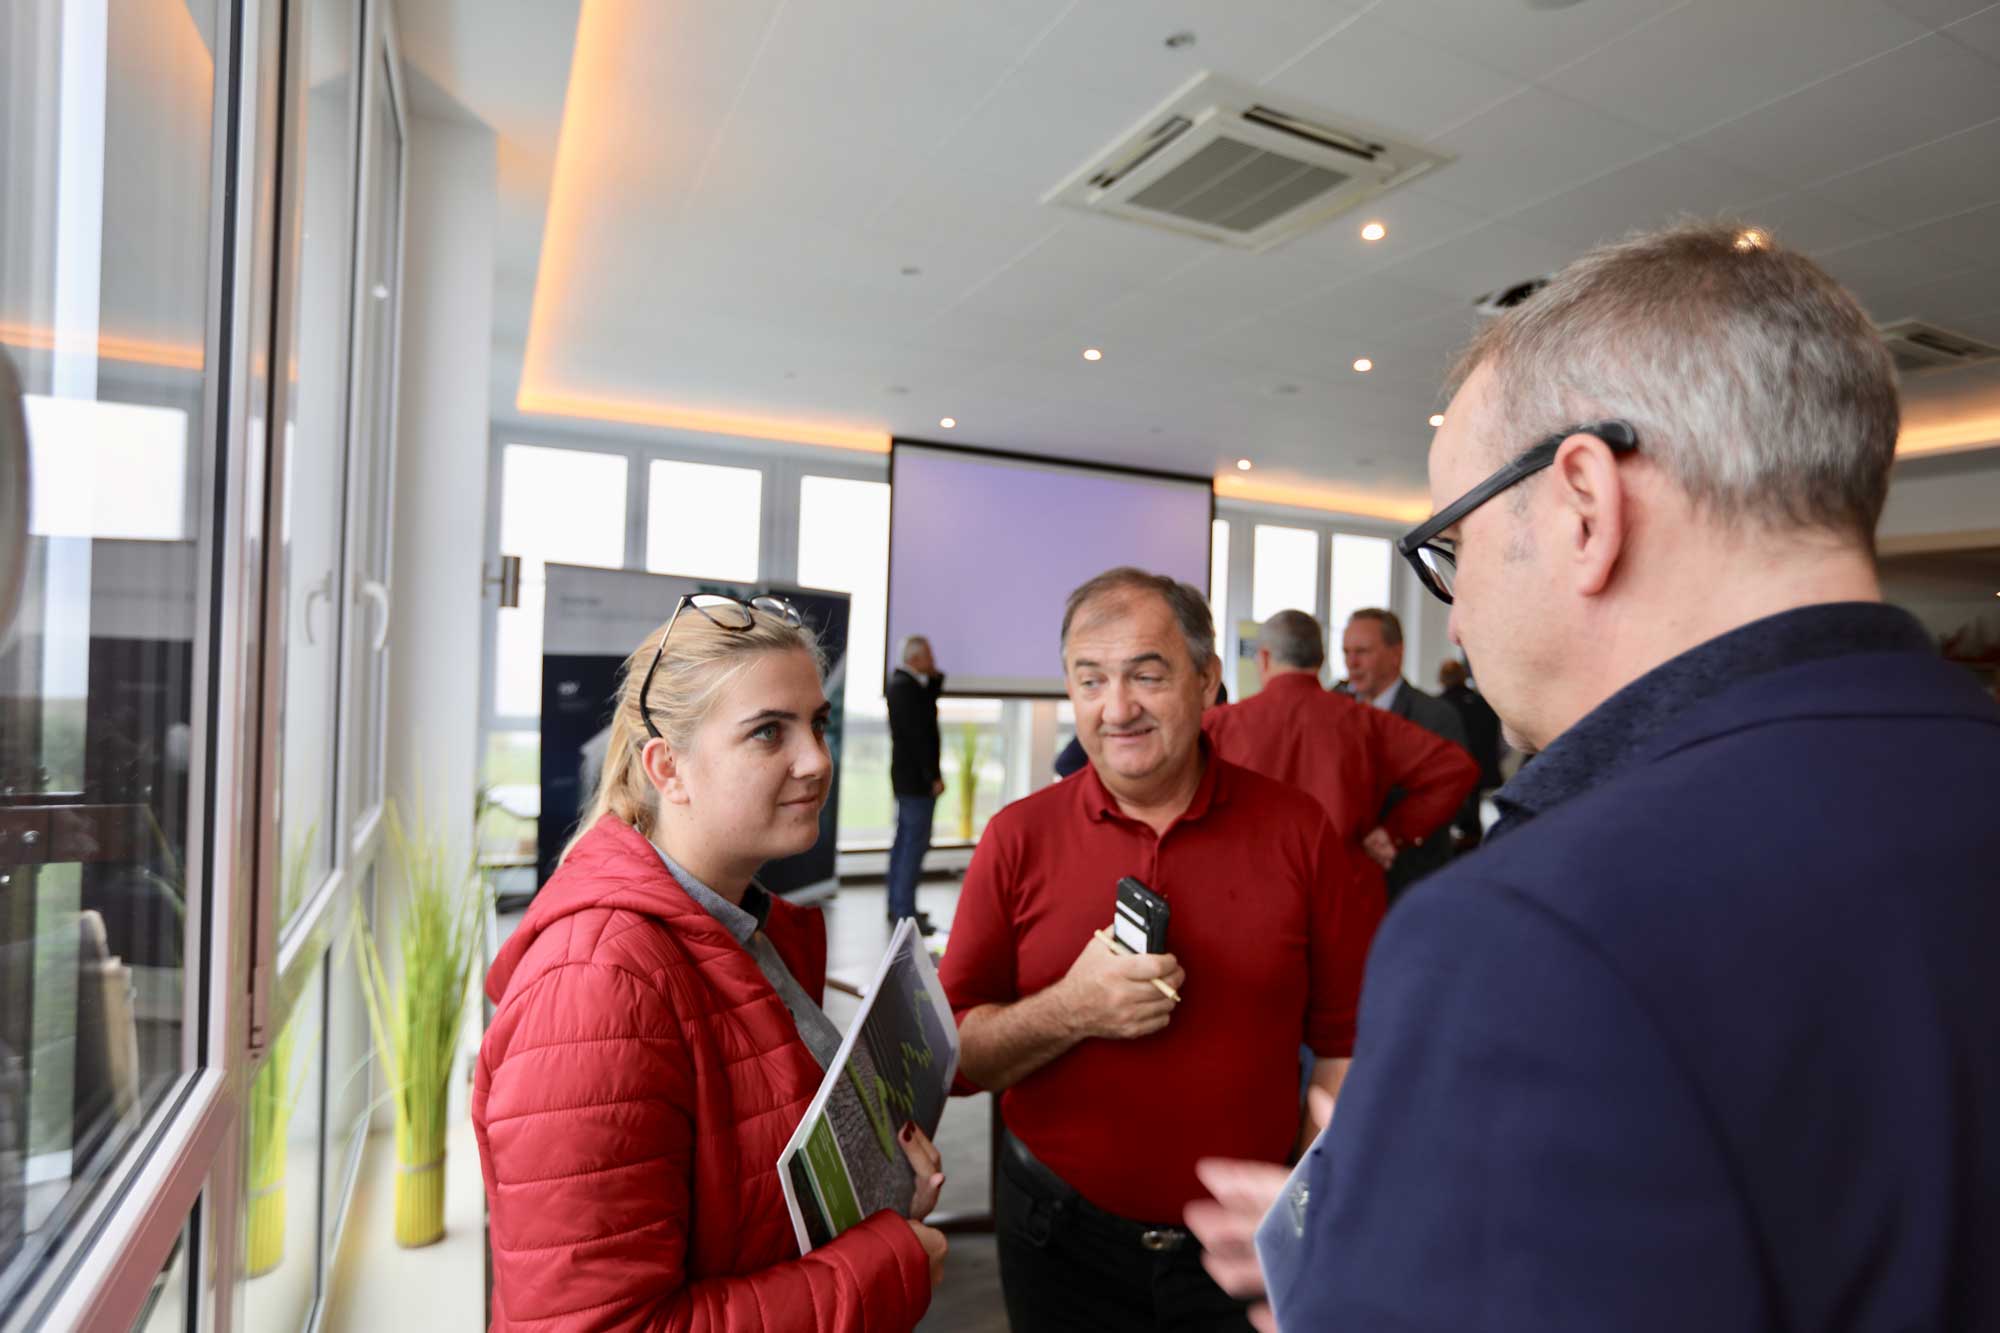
x=743, y=921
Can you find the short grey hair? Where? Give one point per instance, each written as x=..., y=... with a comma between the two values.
x=1190, y=608
x=1392, y=628
x=1751, y=376
x=1292, y=638
x=908, y=646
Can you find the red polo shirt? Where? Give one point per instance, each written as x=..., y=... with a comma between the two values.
x=1348, y=756
x=1270, y=922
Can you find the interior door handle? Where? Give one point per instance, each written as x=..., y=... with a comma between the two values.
x=378, y=593
x=14, y=483
x=320, y=591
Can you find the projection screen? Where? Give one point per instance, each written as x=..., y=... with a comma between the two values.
x=985, y=547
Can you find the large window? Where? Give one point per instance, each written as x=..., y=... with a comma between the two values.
x=1218, y=584
x=703, y=520
x=844, y=547
x=560, y=505
x=1285, y=575
x=105, y=227
x=1359, y=577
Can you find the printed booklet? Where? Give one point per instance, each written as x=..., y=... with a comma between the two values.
x=844, y=1163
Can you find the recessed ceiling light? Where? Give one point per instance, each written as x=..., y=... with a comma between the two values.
x=1092, y=354
x=1437, y=418
x=1243, y=465
x=911, y=270
x=947, y=422
x=1364, y=365
x=1374, y=231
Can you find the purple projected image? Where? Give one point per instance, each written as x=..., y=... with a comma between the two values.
x=983, y=551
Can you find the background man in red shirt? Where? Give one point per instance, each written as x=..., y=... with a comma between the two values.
x=1111, y=1091
x=1347, y=756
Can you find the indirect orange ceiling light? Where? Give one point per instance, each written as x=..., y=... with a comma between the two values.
x=589, y=155
x=634, y=412
x=1304, y=495
x=110, y=347
x=1967, y=432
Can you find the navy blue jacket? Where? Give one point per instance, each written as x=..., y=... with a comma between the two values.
x=1707, y=1037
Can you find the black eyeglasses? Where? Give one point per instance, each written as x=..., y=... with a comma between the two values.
x=721, y=611
x=1435, y=558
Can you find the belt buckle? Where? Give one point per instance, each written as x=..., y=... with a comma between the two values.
x=1160, y=1239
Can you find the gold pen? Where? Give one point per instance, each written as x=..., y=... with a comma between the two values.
x=1112, y=943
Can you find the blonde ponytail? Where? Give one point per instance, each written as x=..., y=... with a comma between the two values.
x=700, y=660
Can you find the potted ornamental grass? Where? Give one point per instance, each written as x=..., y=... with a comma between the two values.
x=969, y=754
x=416, y=1021
x=273, y=1095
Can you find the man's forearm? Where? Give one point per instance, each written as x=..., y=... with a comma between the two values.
x=1328, y=1075
x=1001, y=1044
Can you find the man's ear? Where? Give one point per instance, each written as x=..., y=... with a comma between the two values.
x=663, y=771
x=1211, y=675
x=1590, y=496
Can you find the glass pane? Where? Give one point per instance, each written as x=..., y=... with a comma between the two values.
x=166, y=1308
x=350, y=1061
x=510, y=794
x=1360, y=577
x=1284, y=574
x=374, y=442
x=564, y=505
x=105, y=220
x=704, y=521
x=315, y=443
x=1218, y=586
x=975, y=761
x=282, y=1145
x=844, y=546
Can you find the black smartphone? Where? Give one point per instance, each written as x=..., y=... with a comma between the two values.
x=1140, y=922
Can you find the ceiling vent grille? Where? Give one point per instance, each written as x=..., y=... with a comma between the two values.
x=1219, y=161
x=1918, y=347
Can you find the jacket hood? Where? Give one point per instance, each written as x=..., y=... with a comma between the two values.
x=613, y=866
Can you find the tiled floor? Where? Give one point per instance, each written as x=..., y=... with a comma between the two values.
x=857, y=932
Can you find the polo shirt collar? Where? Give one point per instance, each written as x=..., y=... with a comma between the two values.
x=1213, y=790
x=1302, y=681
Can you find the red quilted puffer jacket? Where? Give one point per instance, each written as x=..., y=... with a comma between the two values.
x=637, y=1084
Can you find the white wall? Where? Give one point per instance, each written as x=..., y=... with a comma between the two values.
x=441, y=462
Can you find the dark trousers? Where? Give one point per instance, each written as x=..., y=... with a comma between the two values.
x=906, y=853
x=1068, y=1265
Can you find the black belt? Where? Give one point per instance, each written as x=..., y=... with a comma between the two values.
x=1147, y=1235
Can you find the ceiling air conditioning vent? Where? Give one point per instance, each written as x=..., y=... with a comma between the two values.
x=1918, y=347
x=1220, y=162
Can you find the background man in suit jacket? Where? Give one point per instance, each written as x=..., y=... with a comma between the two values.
x=1482, y=731
x=1707, y=1035
x=916, y=771
x=1373, y=648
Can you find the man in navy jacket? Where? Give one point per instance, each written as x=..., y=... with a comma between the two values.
x=1708, y=1035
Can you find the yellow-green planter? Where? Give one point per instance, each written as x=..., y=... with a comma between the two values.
x=415, y=1022
x=420, y=1203
x=264, y=1239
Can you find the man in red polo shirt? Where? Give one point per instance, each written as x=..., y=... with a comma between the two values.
x=1347, y=756
x=1110, y=1090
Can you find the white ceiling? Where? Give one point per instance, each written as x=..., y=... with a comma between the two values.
x=777, y=164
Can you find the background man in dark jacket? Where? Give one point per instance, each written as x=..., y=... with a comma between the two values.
x=916, y=772
x=1707, y=1035
x=1372, y=647
x=1482, y=735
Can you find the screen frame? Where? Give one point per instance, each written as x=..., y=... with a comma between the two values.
x=897, y=442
